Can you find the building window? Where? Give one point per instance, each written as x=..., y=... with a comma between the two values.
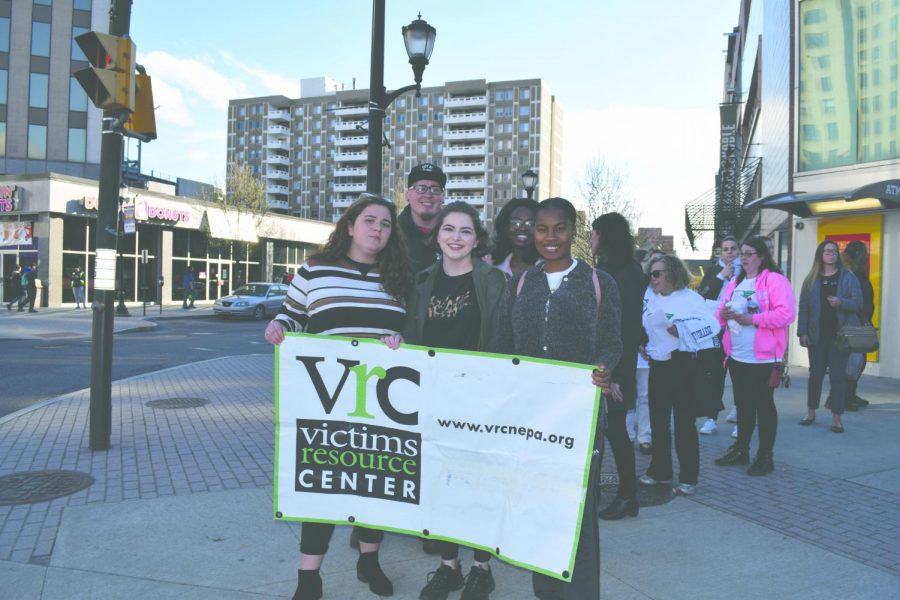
x=37, y=141
x=401, y=103
x=503, y=111
x=439, y=100
x=523, y=127
x=40, y=39
x=4, y=34
x=423, y=148
x=77, y=54
x=4, y=83
x=524, y=93
x=77, y=144
x=438, y=147
x=503, y=95
x=401, y=118
x=77, y=96
x=423, y=134
x=423, y=117
x=524, y=111
x=82, y=4
x=423, y=101
x=37, y=90
x=44, y=2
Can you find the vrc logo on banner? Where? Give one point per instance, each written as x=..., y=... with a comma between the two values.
x=485, y=450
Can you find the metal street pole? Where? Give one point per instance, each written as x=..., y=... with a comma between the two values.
x=377, y=106
x=100, y=421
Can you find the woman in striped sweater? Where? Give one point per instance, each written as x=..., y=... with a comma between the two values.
x=357, y=286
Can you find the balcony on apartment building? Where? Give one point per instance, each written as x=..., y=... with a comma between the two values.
x=272, y=173
x=465, y=184
x=350, y=125
x=353, y=111
x=277, y=159
x=464, y=134
x=275, y=188
x=278, y=204
x=278, y=130
x=350, y=187
x=474, y=199
x=353, y=140
x=466, y=117
x=278, y=144
x=351, y=156
x=349, y=172
x=464, y=167
x=343, y=201
x=480, y=150
x=464, y=101
x=278, y=115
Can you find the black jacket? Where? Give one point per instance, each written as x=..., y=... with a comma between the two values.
x=632, y=282
x=868, y=293
x=421, y=254
x=711, y=285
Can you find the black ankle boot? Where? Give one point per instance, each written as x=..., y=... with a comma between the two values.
x=619, y=508
x=734, y=456
x=369, y=571
x=763, y=465
x=309, y=585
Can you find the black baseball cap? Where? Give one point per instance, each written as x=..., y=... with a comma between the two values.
x=427, y=171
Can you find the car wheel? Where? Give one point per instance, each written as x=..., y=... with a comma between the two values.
x=259, y=313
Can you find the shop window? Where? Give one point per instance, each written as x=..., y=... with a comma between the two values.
x=75, y=234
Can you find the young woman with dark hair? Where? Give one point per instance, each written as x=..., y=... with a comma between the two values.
x=357, y=286
x=514, y=250
x=458, y=303
x=856, y=256
x=554, y=314
x=613, y=248
x=755, y=311
x=829, y=299
x=681, y=332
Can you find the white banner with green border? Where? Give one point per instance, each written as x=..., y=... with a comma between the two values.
x=486, y=450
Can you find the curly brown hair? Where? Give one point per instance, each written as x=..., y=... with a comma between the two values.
x=393, y=261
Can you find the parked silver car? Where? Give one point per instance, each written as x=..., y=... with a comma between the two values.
x=257, y=300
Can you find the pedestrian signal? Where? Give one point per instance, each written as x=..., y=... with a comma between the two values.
x=110, y=80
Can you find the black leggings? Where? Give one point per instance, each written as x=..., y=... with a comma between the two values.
x=755, y=402
x=623, y=453
x=450, y=551
x=314, y=537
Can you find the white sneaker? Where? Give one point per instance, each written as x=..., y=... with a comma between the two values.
x=709, y=427
x=685, y=489
x=648, y=481
x=732, y=416
x=734, y=433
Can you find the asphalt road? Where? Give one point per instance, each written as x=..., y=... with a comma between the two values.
x=33, y=371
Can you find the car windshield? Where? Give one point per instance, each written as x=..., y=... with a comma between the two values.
x=251, y=290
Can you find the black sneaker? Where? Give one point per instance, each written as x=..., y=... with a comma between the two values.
x=479, y=584
x=441, y=583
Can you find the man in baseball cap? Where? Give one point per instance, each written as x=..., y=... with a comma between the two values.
x=425, y=197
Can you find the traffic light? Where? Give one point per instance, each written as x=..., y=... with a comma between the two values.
x=142, y=122
x=109, y=81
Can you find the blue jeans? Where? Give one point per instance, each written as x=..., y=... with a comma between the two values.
x=824, y=355
x=79, y=295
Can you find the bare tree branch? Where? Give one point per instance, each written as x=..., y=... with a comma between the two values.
x=603, y=188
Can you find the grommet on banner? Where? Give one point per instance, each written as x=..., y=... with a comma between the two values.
x=279, y=514
x=516, y=361
x=424, y=532
x=565, y=574
x=352, y=519
x=431, y=353
x=354, y=343
x=497, y=550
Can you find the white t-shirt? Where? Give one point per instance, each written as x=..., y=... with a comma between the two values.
x=686, y=310
x=641, y=361
x=742, y=341
x=554, y=280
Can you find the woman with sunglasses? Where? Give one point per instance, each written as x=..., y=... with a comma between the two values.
x=680, y=329
x=457, y=303
x=563, y=309
x=830, y=298
x=514, y=250
x=356, y=286
x=755, y=311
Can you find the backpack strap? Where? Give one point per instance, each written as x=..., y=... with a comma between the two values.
x=521, y=283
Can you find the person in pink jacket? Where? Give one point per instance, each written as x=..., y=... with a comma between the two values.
x=755, y=311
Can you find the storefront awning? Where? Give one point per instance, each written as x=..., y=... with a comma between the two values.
x=875, y=196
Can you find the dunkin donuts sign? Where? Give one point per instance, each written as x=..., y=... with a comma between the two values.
x=145, y=211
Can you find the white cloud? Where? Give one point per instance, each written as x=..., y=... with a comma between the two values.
x=269, y=83
x=170, y=103
x=195, y=77
x=670, y=156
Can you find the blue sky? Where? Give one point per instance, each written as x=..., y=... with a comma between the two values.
x=639, y=81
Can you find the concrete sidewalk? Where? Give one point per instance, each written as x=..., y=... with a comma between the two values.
x=181, y=506
x=70, y=323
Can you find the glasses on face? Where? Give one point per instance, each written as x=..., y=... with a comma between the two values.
x=422, y=189
x=516, y=223
x=748, y=254
x=657, y=273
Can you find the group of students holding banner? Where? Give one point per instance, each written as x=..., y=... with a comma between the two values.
x=361, y=285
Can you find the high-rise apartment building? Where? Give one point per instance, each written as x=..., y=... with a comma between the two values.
x=46, y=121
x=311, y=151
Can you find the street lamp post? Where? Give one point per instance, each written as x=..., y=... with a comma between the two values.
x=418, y=37
x=529, y=182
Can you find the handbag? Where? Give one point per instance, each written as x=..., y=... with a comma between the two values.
x=857, y=338
x=775, y=374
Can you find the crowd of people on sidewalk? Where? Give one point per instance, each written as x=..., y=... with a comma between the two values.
x=23, y=286
x=433, y=275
